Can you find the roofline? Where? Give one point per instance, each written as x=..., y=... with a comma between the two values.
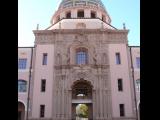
x=81, y=18
x=134, y=46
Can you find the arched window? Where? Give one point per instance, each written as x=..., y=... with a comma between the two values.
x=138, y=84
x=103, y=18
x=68, y=14
x=81, y=56
x=22, y=86
x=80, y=14
x=93, y=14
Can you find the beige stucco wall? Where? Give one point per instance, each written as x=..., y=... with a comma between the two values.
x=24, y=74
x=72, y=24
x=43, y=72
x=136, y=53
x=87, y=13
x=120, y=71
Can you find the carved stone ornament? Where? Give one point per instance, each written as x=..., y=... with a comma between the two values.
x=81, y=75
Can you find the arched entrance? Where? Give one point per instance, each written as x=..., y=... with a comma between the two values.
x=82, y=108
x=21, y=111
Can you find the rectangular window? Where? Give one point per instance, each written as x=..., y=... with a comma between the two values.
x=44, y=59
x=122, y=111
x=138, y=62
x=80, y=14
x=42, y=110
x=22, y=63
x=43, y=85
x=118, y=58
x=93, y=15
x=68, y=15
x=120, y=85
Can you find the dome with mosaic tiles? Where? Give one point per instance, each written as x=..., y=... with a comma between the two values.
x=71, y=3
x=73, y=14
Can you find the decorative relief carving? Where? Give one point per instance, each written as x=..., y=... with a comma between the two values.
x=81, y=38
x=81, y=26
x=104, y=58
x=81, y=75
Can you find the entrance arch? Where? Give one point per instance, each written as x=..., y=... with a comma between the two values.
x=81, y=97
x=21, y=111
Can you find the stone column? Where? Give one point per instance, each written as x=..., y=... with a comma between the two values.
x=94, y=104
x=105, y=105
x=109, y=104
x=62, y=103
x=101, y=105
x=70, y=104
x=54, y=103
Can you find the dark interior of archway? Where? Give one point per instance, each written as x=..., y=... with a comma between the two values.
x=82, y=90
x=21, y=111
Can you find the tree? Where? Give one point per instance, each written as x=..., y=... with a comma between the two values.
x=82, y=111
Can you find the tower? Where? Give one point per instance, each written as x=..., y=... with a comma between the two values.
x=81, y=59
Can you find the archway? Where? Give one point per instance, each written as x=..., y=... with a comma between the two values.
x=82, y=99
x=21, y=111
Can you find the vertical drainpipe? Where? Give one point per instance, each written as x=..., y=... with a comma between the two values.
x=133, y=83
x=28, y=98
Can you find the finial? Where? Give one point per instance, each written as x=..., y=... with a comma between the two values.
x=37, y=26
x=124, y=26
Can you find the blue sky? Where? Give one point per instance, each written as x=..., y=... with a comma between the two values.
x=33, y=12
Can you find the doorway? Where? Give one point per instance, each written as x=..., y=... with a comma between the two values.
x=21, y=111
x=82, y=100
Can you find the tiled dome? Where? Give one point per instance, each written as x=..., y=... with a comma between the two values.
x=72, y=3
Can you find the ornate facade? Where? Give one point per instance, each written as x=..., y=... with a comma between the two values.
x=81, y=58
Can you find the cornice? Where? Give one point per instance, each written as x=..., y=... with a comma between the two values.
x=83, y=31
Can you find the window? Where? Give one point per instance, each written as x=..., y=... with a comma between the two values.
x=22, y=63
x=118, y=59
x=103, y=18
x=138, y=84
x=81, y=56
x=22, y=86
x=138, y=62
x=120, y=85
x=93, y=14
x=42, y=110
x=122, y=112
x=58, y=18
x=80, y=13
x=44, y=59
x=68, y=15
x=43, y=85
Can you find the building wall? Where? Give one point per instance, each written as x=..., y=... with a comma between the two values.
x=47, y=72
x=135, y=51
x=72, y=24
x=87, y=13
x=65, y=42
x=62, y=38
x=24, y=73
x=120, y=71
x=43, y=72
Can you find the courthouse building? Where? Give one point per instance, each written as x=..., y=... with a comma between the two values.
x=79, y=59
